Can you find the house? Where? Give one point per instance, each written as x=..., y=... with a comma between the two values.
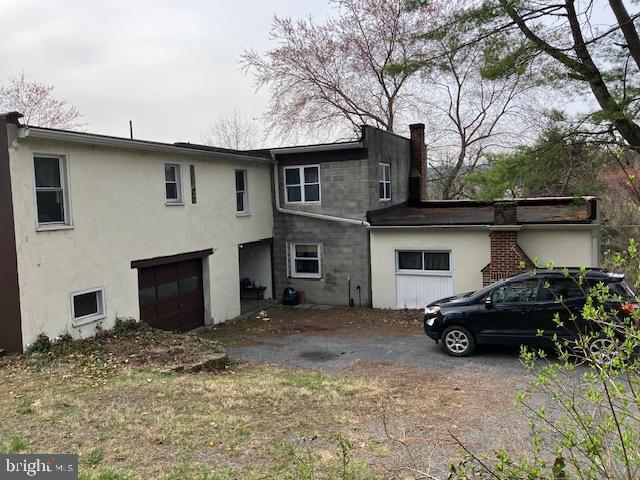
x=102, y=227
x=98, y=227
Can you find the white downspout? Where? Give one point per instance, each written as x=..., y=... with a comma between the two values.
x=331, y=218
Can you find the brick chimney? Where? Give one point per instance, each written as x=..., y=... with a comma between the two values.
x=418, y=164
x=506, y=255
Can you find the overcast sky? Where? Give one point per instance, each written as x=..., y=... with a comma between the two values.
x=168, y=65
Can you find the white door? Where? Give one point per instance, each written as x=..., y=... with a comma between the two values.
x=422, y=277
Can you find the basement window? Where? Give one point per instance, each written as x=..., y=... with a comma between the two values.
x=302, y=184
x=87, y=306
x=305, y=260
x=384, y=181
x=423, y=261
x=172, y=184
x=52, y=196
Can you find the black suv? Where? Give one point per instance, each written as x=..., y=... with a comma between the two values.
x=514, y=310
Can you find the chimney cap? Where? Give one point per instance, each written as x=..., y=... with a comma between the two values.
x=416, y=126
x=12, y=117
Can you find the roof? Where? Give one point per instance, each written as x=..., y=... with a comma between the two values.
x=26, y=131
x=556, y=210
x=263, y=152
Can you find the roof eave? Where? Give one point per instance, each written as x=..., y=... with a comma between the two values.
x=132, y=144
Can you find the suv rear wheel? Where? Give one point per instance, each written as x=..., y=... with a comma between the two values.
x=458, y=341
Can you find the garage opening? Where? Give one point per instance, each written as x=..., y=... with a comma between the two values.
x=256, y=274
x=422, y=277
x=171, y=292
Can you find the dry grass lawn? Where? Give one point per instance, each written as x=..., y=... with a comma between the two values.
x=128, y=420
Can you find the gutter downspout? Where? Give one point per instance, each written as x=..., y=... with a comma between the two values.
x=319, y=216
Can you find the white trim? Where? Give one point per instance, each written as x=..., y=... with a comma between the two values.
x=245, y=202
x=94, y=317
x=441, y=273
x=178, y=181
x=292, y=253
x=384, y=182
x=63, y=167
x=302, y=184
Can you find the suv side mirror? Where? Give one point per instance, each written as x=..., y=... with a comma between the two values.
x=488, y=302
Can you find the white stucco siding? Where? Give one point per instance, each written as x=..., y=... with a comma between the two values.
x=119, y=215
x=469, y=253
x=567, y=247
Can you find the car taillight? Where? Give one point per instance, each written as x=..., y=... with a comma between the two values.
x=628, y=308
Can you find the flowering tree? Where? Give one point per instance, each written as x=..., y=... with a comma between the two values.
x=36, y=102
x=337, y=75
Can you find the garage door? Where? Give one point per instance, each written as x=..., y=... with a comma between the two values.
x=171, y=295
x=422, y=277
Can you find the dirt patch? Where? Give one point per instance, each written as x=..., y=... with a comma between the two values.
x=130, y=344
x=312, y=320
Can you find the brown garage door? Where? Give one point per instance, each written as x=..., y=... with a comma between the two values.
x=171, y=295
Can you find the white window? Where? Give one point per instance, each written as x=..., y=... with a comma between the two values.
x=52, y=196
x=302, y=184
x=172, y=183
x=423, y=261
x=384, y=181
x=87, y=306
x=305, y=260
x=242, y=201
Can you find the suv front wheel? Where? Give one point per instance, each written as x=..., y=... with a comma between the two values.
x=458, y=341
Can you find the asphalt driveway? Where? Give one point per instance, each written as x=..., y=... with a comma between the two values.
x=428, y=395
x=340, y=349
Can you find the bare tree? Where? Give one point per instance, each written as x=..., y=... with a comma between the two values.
x=234, y=130
x=470, y=115
x=36, y=102
x=339, y=74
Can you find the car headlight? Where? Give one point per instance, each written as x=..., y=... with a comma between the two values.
x=432, y=310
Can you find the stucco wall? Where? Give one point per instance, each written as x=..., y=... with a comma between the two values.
x=470, y=252
x=563, y=247
x=119, y=215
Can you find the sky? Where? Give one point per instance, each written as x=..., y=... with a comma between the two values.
x=169, y=66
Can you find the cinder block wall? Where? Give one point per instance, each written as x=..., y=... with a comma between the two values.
x=344, y=254
x=349, y=188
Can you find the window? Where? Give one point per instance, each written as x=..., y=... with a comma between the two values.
x=384, y=181
x=192, y=176
x=51, y=190
x=172, y=183
x=87, y=306
x=516, y=292
x=242, y=204
x=305, y=260
x=424, y=261
x=565, y=288
x=302, y=184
